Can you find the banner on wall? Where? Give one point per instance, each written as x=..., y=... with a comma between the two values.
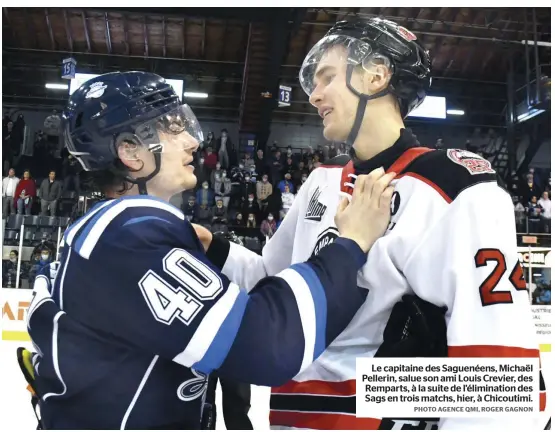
x=15, y=303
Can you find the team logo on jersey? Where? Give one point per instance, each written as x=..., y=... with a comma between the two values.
x=193, y=388
x=324, y=239
x=315, y=209
x=473, y=163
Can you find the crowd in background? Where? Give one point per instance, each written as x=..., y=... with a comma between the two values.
x=248, y=192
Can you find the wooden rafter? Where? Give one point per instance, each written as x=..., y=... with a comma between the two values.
x=86, y=30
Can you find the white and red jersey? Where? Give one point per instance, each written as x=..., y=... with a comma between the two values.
x=451, y=241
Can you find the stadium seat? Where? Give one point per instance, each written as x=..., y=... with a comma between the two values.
x=10, y=237
x=31, y=220
x=43, y=233
x=48, y=221
x=63, y=221
x=28, y=236
x=14, y=222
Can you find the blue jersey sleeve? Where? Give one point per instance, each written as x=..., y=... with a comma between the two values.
x=143, y=276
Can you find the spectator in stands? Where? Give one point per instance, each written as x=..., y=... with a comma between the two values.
x=545, y=215
x=287, y=199
x=289, y=166
x=9, y=270
x=268, y=226
x=530, y=189
x=190, y=210
x=9, y=186
x=263, y=191
x=286, y=182
x=222, y=187
x=71, y=169
x=254, y=174
x=50, y=192
x=205, y=196
x=536, y=178
x=238, y=174
x=316, y=160
x=326, y=152
x=251, y=220
x=210, y=158
x=251, y=207
x=219, y=212
x=276, y=167
x=333, y=151
x=260, y=162
x=226, y=152
x=246, y=188
x=44, y=260
x=533, y=211
x=520, y=215
x=208, y=142
x=248, y=161
x=239, y=221
x=202, y=172
x=25, y=194
x=216, y=175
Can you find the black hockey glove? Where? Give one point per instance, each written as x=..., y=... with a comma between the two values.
x=415, y=328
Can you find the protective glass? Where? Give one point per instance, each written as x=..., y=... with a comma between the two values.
x=323, y=59
x=175, y=131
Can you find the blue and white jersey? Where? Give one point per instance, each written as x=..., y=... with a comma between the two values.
x=137, y=317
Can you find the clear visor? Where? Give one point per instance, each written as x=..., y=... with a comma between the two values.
x=330, y=55
x=172, y=132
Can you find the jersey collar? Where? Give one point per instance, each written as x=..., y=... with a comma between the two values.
x=387, y=157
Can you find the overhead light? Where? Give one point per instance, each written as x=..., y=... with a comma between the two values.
x=455, y=112
x=540, y=43
x=54, y=86
x=195, y=95
x=530, y=114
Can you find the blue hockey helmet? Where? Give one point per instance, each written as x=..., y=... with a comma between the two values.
x=137, y=107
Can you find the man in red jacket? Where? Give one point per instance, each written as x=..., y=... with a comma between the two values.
x=25, y=193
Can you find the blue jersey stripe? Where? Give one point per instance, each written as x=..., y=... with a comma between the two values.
x=320, y=304
x=144, y=219
x=224, y=338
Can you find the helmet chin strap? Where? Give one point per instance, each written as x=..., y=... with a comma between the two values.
x=361, y=108
x=141, y=181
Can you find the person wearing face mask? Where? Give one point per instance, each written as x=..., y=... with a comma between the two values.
x=9, y=270
x=205, y=196
x=208, y=142
x=216, y=175
x=219, y=212
x=297, y=175
x=248, y=161
x=268, y=226
x=238, y=174
x=222, y=187
x=41, y=260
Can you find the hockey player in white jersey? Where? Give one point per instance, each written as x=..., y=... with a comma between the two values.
x=447, y=266
x=137, y=316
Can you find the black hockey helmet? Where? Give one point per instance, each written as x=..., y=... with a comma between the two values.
x=370, y=41
x=137, y=107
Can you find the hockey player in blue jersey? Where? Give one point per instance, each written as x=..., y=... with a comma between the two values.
x=136, y=317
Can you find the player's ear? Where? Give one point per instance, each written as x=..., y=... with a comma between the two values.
x=129, y=152
x=377, y=76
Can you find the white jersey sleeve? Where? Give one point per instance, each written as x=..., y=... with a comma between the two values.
x=467, y=261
